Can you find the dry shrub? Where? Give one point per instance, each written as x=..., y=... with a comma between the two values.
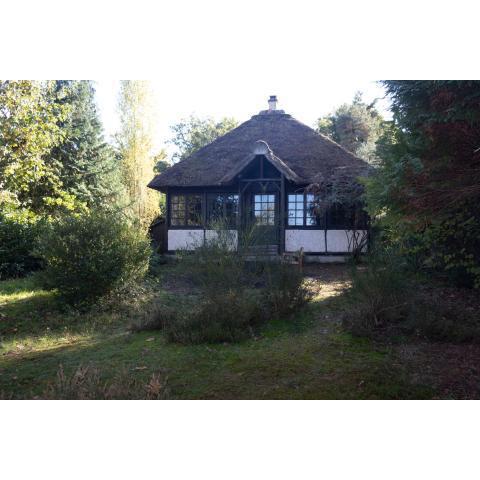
x=285, y=291
x=381, y=294
x=235, y=296
x=86, y=383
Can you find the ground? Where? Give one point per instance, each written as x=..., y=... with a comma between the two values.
x=46, y=352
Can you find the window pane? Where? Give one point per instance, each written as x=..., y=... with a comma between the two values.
x=194, y=210
x=295, y=209
x=177, y=211
x=222, y=207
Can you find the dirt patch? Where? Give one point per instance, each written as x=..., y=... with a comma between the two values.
x=327, y=280
x=452, y=370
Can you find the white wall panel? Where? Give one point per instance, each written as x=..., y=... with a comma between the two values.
x=184, y=239
x=310, y=240
x=340, y=241
x=231, y=237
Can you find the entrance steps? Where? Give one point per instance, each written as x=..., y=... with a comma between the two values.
x=260, y=253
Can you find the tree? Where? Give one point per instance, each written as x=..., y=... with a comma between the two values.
x=161, y=161
x=356, y=126
x=193, y=133
x=31, y=114
x=88, y=164
x=135, y=144
x=427, y=186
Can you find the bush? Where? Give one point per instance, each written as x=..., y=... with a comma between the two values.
x=228, y=318
x=388, y=301
x=380, y=295
x=90, y=256
x=215, y=266
x=284, y=291
x=234, y=296
x=443, y=323
x=17, y=240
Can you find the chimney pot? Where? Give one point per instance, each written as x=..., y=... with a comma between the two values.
x=272, y=103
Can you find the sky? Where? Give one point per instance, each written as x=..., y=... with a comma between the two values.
x=306, y=100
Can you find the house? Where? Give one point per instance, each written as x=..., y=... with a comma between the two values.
x=274, y=173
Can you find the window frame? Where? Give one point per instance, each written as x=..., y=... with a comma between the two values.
x=224, y=196
x=324, y=222
x=271, y=214
x=186, y=204
x=320, y=220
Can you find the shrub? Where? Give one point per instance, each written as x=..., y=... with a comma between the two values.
x=229, y=317
x=86, y=383
x=284, y=291
x=215, y=266
x=381, y=293
x=443, y=323
x=17, y=239
x=235, y=296
x=90, y=256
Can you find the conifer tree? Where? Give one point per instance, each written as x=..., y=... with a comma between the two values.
x=89, y=168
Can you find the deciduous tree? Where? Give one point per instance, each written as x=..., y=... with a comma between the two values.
x=356, y=126
x=135, y=142
x=193, y=133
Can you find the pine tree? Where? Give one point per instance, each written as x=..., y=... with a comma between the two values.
x=89, y=168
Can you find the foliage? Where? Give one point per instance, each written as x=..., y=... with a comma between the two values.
x=356, y=126
x=234, y=296
x=226, y=317
x=31, y=182
x=440, y=323
x=193, y=133
x=16, y=242
x=426, y=189
x=161, y=161
x=88, y=165
x=214, y=266
x=135, y=144
x=86, y=383
x=285, y=291
x=380, y=293
x=89, y=256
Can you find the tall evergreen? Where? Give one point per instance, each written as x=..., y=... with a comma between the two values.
x=89, y=168
x=426, y=190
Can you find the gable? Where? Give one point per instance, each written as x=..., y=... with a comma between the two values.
x=260, y=167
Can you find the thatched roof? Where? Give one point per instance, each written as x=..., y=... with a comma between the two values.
x=303, y=155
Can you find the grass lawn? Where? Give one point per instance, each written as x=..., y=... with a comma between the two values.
x=307, y=356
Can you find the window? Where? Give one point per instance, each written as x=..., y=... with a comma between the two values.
x=194, y=210
x=346, y=217
x=264, y=209
x=304, y=210
x=186, y=210
x=222, y=207
x=301, y=210
x=310, y=215
x=296, y=210
x=177, y=213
